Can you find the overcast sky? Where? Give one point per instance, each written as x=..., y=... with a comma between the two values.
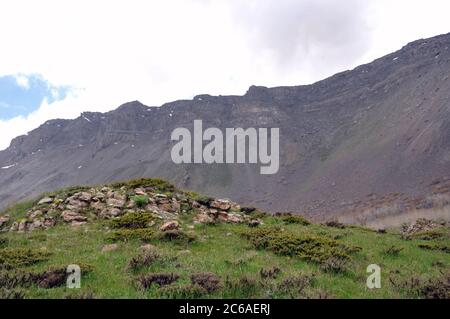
x=59, y=58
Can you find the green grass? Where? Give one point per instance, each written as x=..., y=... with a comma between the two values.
x=222, y=250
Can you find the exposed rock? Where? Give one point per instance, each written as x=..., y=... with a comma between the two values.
x=98, y=206
x=109, y=248
x=254, y=223
x=419, y=226
x=35, y=214
x=117, y=203
x=4, y=219
x=222, y=204
x=110, y=212
x=172, y=225
x=45, y=200
x=140, y=192
x=14, y=226
x=70, y=216
x=22, y=226
x=203, y=219
x=234, y=218
x=85, y=196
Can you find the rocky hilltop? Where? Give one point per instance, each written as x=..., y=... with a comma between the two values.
x=382, y=128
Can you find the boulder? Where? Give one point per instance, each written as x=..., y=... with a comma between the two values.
x=85, y=196
x=35, y=214
x=222, y=204
x=98, y=206
x=203, y=219
x=14, y=227
x=234, y=218
x=116, y=203
x=140, y=192
x=4, y=219
x=172, y=225
x=110, y=212
x=69, y=216
x=22, y=226
x=45, y=200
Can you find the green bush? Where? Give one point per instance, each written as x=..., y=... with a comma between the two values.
x=140, y=200
x=21, y=257
x=306, y=246
x=132, y=221
x=295, y=219
x=144, y=234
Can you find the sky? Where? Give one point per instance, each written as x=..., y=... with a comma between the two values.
x=59, y=58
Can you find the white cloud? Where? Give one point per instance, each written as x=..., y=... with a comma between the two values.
x=159, y=51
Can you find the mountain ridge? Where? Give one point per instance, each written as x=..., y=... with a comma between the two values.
x=382, y=127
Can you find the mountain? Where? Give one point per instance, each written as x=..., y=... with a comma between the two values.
x=381, y=128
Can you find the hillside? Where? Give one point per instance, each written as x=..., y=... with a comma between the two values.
x=382, y=128
x=147, y=239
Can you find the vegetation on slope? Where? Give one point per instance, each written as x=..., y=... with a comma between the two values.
x=240, y=253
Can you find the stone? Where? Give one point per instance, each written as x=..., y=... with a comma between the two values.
x=14, y=227
x=69, y=216
x=85, y=196
x=223, y=216
x=35, y=214
x=172, y=225
x=117, y=203
x=4, y=219
x=45, y=200
x=222, y=204
x=203, y=219
x=22, y=226
x=49, y=222
x=110, y=212
x=109, y=248
x=140, y=192
x=234, y=218
x=36, y=224
x=98, y=206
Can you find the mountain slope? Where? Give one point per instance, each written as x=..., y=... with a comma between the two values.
x=381, y=128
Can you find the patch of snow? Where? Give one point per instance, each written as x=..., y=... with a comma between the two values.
x=86, y=118
x=8, y=166
x=81, y=166
x=395, y=59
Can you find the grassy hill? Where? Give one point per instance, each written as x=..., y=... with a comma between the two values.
x=147, y=239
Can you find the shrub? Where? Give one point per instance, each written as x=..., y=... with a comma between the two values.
x=4, y=242
x=294, y=287
x=140, y=200
x=434, y=288
x=21, y=257
x=334, y=264
x=295, y=219
x=437, y=247
x=334, y=224
x=132, y=220
x=155, y=183
x=309, y=247
x=393, y=251
x=176, y=235
x=144, y=234
x=245, y=286
x=428, y=235
x=143, y=260
x=11, y=293
x=269, y=273
x=208, y=281
x=161, y=279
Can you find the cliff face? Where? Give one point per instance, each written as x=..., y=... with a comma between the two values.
x=381, y=128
